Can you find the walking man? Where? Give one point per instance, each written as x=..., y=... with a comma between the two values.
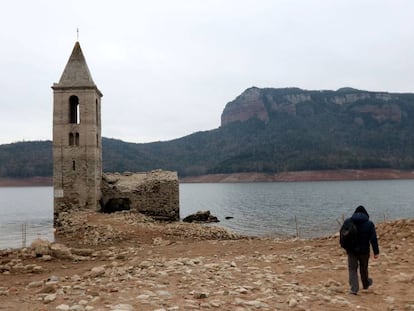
x=357, y=234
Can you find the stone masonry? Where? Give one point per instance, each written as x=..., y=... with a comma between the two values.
x=77, y=152
x=154, y=193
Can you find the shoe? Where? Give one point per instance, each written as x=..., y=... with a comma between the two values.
x=369, y=283
x=353, y=293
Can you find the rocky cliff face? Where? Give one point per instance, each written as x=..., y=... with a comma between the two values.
x=248, y=105
x=263, y=103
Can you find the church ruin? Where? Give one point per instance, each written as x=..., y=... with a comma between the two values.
x=77, y=154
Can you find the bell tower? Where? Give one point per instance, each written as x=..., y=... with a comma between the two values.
x=77, y=148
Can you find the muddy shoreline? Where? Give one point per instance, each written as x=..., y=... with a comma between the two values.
x=38, y=181
x=328, y=175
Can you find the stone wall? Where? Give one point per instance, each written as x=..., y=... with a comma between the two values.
x=154, y=193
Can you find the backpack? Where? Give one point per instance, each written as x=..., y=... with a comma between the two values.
x=348, y=235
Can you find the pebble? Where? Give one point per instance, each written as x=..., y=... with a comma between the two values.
x=122, y=307
x=96, y=272
x=389, y=300
x=35, y=284
x=49, y=298
x=293, y=303
x=77, y=308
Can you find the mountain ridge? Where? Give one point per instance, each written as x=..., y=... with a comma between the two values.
x=261, y=103
x=264, y=130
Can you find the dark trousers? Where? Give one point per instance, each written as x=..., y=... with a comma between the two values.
x=353, y=261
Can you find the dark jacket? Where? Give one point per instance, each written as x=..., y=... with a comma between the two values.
x=366, y=232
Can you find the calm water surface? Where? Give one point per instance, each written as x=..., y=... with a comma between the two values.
x=276, y=208
x=272, y=209
x=27, y=209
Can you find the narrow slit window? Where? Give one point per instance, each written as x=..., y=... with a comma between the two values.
x=77, y=139
x=71, y=139
x=74, y=116
x=96, y=112
x=73, y=165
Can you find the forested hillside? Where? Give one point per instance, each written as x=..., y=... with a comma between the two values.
x=26, y=159
x=264, y=130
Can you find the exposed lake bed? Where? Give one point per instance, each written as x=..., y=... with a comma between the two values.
x=145, y=265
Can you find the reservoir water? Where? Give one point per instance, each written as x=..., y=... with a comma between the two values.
x=25, y=214
x=277, y=209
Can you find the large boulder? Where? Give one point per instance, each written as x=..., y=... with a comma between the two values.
x=201, y=216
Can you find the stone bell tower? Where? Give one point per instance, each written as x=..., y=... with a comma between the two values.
x=77, y=148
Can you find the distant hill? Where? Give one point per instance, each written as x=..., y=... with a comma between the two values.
x=263, y=130
x=26, y=159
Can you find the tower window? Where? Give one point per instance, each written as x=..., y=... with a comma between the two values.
x=77, y=139
x=96, y=112
x=74, y=116
x=71, y=139
x=73, y=165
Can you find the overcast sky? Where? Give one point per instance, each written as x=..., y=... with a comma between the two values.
x=167, y=68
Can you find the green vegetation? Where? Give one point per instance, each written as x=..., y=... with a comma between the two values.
x=320, y=135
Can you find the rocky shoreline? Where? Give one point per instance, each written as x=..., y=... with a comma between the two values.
x=128, y=262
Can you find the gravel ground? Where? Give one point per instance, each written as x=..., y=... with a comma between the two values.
x=126, y=261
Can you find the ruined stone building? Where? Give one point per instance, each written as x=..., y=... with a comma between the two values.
x=77, y=154
x=152, y=193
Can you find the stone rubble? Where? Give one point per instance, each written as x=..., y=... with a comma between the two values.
x=204, y=283
x=123, y=280
x=76, y=226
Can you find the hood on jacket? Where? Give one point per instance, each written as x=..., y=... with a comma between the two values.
x=360, y=215
x=361, y=209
